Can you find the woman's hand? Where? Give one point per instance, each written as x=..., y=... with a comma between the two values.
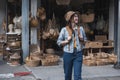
x=69, y=38
x=81, y=38
x=63, y=43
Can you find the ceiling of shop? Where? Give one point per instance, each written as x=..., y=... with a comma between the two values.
x=52, y=7
x=79, y=5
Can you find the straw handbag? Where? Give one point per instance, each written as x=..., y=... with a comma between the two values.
x=34, y=22
x=86, y=18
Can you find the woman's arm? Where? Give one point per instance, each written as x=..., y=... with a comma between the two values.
x=82, y=35
x=61, y=39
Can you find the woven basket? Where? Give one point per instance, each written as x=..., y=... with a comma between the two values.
x=45, y=35
x=15, y=44
x=43, y=17
x=87, y=18
x=34, y=48
x=50, y=51
x=48, y=62
x=41, y=13
x=15, y=63
x=89, y=62
x=32, y=63
x=99, y=62
x=34, y=22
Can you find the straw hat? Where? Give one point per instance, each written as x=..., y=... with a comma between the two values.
x=68, y=15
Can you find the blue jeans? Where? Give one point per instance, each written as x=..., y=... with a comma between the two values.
x=72, y=60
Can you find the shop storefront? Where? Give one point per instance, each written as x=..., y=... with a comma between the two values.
x=43, y=19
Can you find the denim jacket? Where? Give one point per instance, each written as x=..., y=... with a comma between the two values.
x=70, y=47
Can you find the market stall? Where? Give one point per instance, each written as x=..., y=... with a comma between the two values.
x=42, y=20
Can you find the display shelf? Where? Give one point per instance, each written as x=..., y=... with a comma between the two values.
x=13, y=47
x=2, y=42
x=97, y=47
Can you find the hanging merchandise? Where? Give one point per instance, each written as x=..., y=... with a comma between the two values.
x=41, y=13
x=100, y=23
x=87, y=18
x=106, y=29
x=55, y=28
x=51, y=30
x=63, y=2
x=34, y=21
x=46, y=33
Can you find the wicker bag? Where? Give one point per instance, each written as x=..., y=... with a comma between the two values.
x=41, y=13
x=34, y=22
x=86, y=18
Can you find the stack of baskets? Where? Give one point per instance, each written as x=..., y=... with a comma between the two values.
x=32, y=60
x=15, y=59
x=38, y=58
x=42, y=60
x=99, y=59
x=50, y=60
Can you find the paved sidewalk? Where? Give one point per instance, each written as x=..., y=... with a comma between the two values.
x=56, y=72
x=5, y=69
x=89, y=73
x=20, y=78
x=104, y=78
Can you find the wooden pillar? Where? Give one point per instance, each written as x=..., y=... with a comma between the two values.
x=25, y=28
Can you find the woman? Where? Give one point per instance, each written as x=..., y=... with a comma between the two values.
x=71, y=38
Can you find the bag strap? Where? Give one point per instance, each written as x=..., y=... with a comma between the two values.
x=78, y=31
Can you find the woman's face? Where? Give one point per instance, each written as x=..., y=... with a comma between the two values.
x=75, y=18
